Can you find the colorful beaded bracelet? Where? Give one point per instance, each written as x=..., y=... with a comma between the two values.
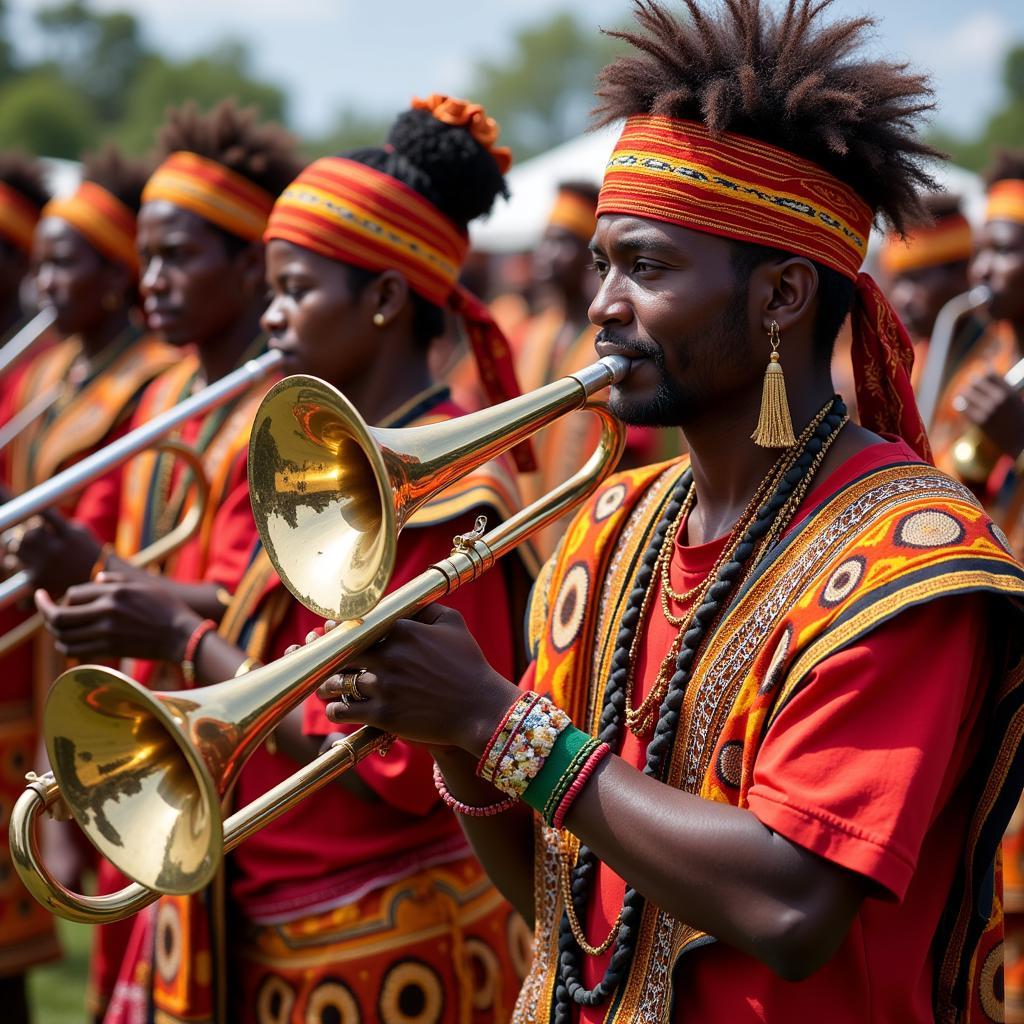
x=522, y=743
x=468, y=809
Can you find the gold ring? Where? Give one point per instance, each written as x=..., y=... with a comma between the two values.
x=350, y=685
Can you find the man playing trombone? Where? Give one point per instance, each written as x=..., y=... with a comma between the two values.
x=743, y=776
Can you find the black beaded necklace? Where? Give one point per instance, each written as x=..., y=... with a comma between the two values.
x=569, y=989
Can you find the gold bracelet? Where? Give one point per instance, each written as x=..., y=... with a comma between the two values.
x=247, y=666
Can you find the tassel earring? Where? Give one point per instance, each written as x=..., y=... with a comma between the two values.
x=774, y=425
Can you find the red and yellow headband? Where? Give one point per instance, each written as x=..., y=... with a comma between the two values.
x=736, y=187
x=18, y=218
x=948, y=240
x=355, y=214
x=212, y=191
x=102, y=219
x=574, y=213
x=350, y=212
x=1006, y=201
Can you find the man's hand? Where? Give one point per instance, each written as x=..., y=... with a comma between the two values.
x=119, y=617
x=58, y=553
x=428, y=681
x=998, y=410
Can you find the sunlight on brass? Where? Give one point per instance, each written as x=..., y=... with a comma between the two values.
x=144, y=773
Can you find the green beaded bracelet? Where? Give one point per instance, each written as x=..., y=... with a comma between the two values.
x=569, y=743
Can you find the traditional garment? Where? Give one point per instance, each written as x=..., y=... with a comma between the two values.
x=887, y=536
x=338, y=880
x=83, y=418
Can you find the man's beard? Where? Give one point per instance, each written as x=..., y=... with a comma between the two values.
x=677, y=401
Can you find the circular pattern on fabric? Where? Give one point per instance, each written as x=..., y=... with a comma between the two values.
x=332, y=1002
x=778, y=661
x=411, y=993
x=609, y=502
x=274, y=1001
x=168, y=940
x=485, y=970
x=570, y=607
x=1001, y=539
x=990, y=985
x=730, y=763
x=930, y=529
x=843, y=581
x=520, y=944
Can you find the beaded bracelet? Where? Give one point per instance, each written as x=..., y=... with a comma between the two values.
x=570, y=750
x=598, y=754
x=188, y=660
x=521, y=744
x=468, y=810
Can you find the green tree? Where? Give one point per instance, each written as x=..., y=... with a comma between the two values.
x=43, y=114
x=222, y=73
x=543, y=91
x=100, y=55
x=6, y=49
x=1005, y=128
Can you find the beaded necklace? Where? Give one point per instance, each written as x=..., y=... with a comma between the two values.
x=787, y=483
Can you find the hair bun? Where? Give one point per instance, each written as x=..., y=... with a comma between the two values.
x=463, y=176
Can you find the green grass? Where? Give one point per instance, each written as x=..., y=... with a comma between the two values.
x=57, y=991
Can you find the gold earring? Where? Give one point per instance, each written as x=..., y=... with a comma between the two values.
x=774, y=425
x=378, y=319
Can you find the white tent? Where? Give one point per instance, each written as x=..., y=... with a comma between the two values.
x=516, y=225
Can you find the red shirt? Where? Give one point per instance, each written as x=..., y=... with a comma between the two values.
x=860, y=767
x=335, y=846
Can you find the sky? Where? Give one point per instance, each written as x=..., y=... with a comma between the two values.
x=374, y=55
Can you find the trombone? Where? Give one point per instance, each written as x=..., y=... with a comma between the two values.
x=19, y=586
x=943, y=333
x=27, y=337
x=144, y=773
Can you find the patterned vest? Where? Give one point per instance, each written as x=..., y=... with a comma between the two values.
x=892, y=539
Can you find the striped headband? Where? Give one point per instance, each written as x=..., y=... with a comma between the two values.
x=729, y=185
x=355, y=214
x=102, y=219
x=212, y=191
x=948, y=240
x=572, y=212
x=18, y=218
x=1006, y=201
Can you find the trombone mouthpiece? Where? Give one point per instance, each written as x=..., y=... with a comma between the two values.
x=617, y=366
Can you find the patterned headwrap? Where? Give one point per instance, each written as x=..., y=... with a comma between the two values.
x=18, y=218
x=1006, y=201
x=352, y=213
x=948, y=240
x=575, y=213
x=212, y=191
x=102, y=219
x=736, y=187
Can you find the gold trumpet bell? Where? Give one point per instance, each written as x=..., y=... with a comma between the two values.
x=321, y=496
x=135, y=785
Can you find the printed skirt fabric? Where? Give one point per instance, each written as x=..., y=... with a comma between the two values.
x=439, y=947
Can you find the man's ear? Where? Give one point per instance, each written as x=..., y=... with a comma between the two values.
x=785, y=292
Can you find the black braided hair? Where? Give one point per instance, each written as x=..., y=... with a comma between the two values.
x=446, y=165
x=26, y=176
x=569, y=989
